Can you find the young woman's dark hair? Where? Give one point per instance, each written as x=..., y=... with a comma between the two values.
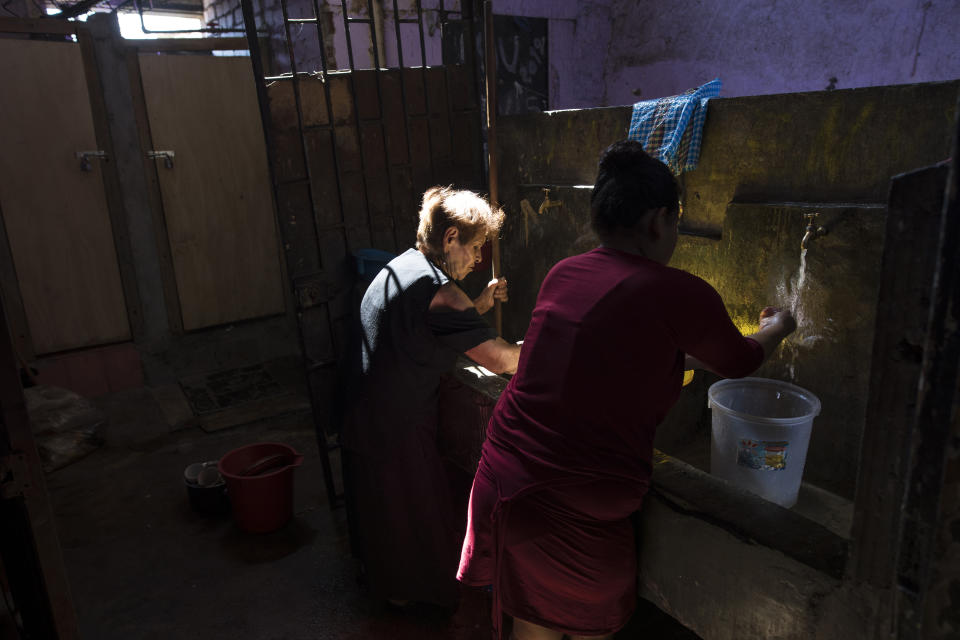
x=629, y=183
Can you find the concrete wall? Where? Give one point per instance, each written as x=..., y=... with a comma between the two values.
x=765, y=46
x=775, y=158
x=615, y=52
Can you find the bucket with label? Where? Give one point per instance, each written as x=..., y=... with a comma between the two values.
x=761, y=431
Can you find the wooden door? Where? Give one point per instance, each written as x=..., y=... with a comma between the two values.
x=217, y=200
x=56, y=215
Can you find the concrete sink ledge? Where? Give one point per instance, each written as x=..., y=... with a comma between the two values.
x=749, y=517
x=683, y=487
x=720, y=560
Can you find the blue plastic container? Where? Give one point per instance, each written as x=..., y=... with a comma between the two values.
x=371, y=261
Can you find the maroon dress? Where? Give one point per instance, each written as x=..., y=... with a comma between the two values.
x=567, y=458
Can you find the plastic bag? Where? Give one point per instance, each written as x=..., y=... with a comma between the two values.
x=66, y=426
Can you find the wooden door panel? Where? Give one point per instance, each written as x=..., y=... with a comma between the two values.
x=56, y=215
x=216, y=199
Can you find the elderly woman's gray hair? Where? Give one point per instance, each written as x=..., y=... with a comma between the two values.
x=445, y=207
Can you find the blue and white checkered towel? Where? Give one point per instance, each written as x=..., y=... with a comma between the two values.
x=671, y=128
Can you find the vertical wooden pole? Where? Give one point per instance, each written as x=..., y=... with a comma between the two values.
x=490, y=64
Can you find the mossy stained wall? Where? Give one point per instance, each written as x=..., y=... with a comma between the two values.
x=766, y=161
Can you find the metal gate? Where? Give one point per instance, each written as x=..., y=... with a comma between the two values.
x=353, y=149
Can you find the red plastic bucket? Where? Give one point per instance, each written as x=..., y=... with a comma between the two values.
x=260, y=484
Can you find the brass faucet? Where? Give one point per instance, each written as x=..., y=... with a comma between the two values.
x=547, y=202
x=812, y=230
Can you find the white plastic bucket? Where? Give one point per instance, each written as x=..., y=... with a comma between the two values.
x=761, y=430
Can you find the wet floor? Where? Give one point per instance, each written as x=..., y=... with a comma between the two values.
x=142, y=564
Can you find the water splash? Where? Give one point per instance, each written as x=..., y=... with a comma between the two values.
x=790, y=294
x=795, y=294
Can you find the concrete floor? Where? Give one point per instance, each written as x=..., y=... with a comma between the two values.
x=142, y=564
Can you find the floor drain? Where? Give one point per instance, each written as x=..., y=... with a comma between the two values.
x=231, y=388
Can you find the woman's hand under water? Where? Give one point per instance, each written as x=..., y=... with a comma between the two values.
x=780, y=321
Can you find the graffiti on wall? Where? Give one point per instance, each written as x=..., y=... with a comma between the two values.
x=521, y=64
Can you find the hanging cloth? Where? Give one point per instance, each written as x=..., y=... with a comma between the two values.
x=671, y=128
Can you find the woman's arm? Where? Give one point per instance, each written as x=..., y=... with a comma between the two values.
x=497, y=355
x=775, y=325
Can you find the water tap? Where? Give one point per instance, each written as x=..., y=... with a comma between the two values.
x=813, y=231
x=547, y=202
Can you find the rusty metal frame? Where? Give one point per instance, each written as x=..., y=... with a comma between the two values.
x=313, y=365
x=347, y=21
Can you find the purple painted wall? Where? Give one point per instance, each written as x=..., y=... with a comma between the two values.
x=616, y=52
x=766, y=46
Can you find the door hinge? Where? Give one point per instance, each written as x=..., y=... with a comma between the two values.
x=14, y=478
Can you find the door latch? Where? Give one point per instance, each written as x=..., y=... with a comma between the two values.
x=13, y=475
x=84, y=156
x=166, y=155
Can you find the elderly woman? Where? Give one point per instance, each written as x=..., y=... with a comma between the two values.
x=567, y=458
x=415, y=321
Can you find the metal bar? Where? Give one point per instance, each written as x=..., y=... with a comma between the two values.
x=470, y=53
x=288, y=76
x=356, y=114
x=301, y=20
x=296, y=101
x=13, y=298
x=324, y=450
x=446, y=84
x=189, y=44
x=426, y=92
x=322, y=445
x=383, y=131
x=322, y=442
x=491, y=74
x=256, y=61
x=403, y=88
x=78, y=8
x=143, y=26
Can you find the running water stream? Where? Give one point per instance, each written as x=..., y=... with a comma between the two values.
x=794, y=294
x=790, y=298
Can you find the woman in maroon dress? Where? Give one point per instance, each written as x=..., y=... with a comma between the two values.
x=567, y=458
